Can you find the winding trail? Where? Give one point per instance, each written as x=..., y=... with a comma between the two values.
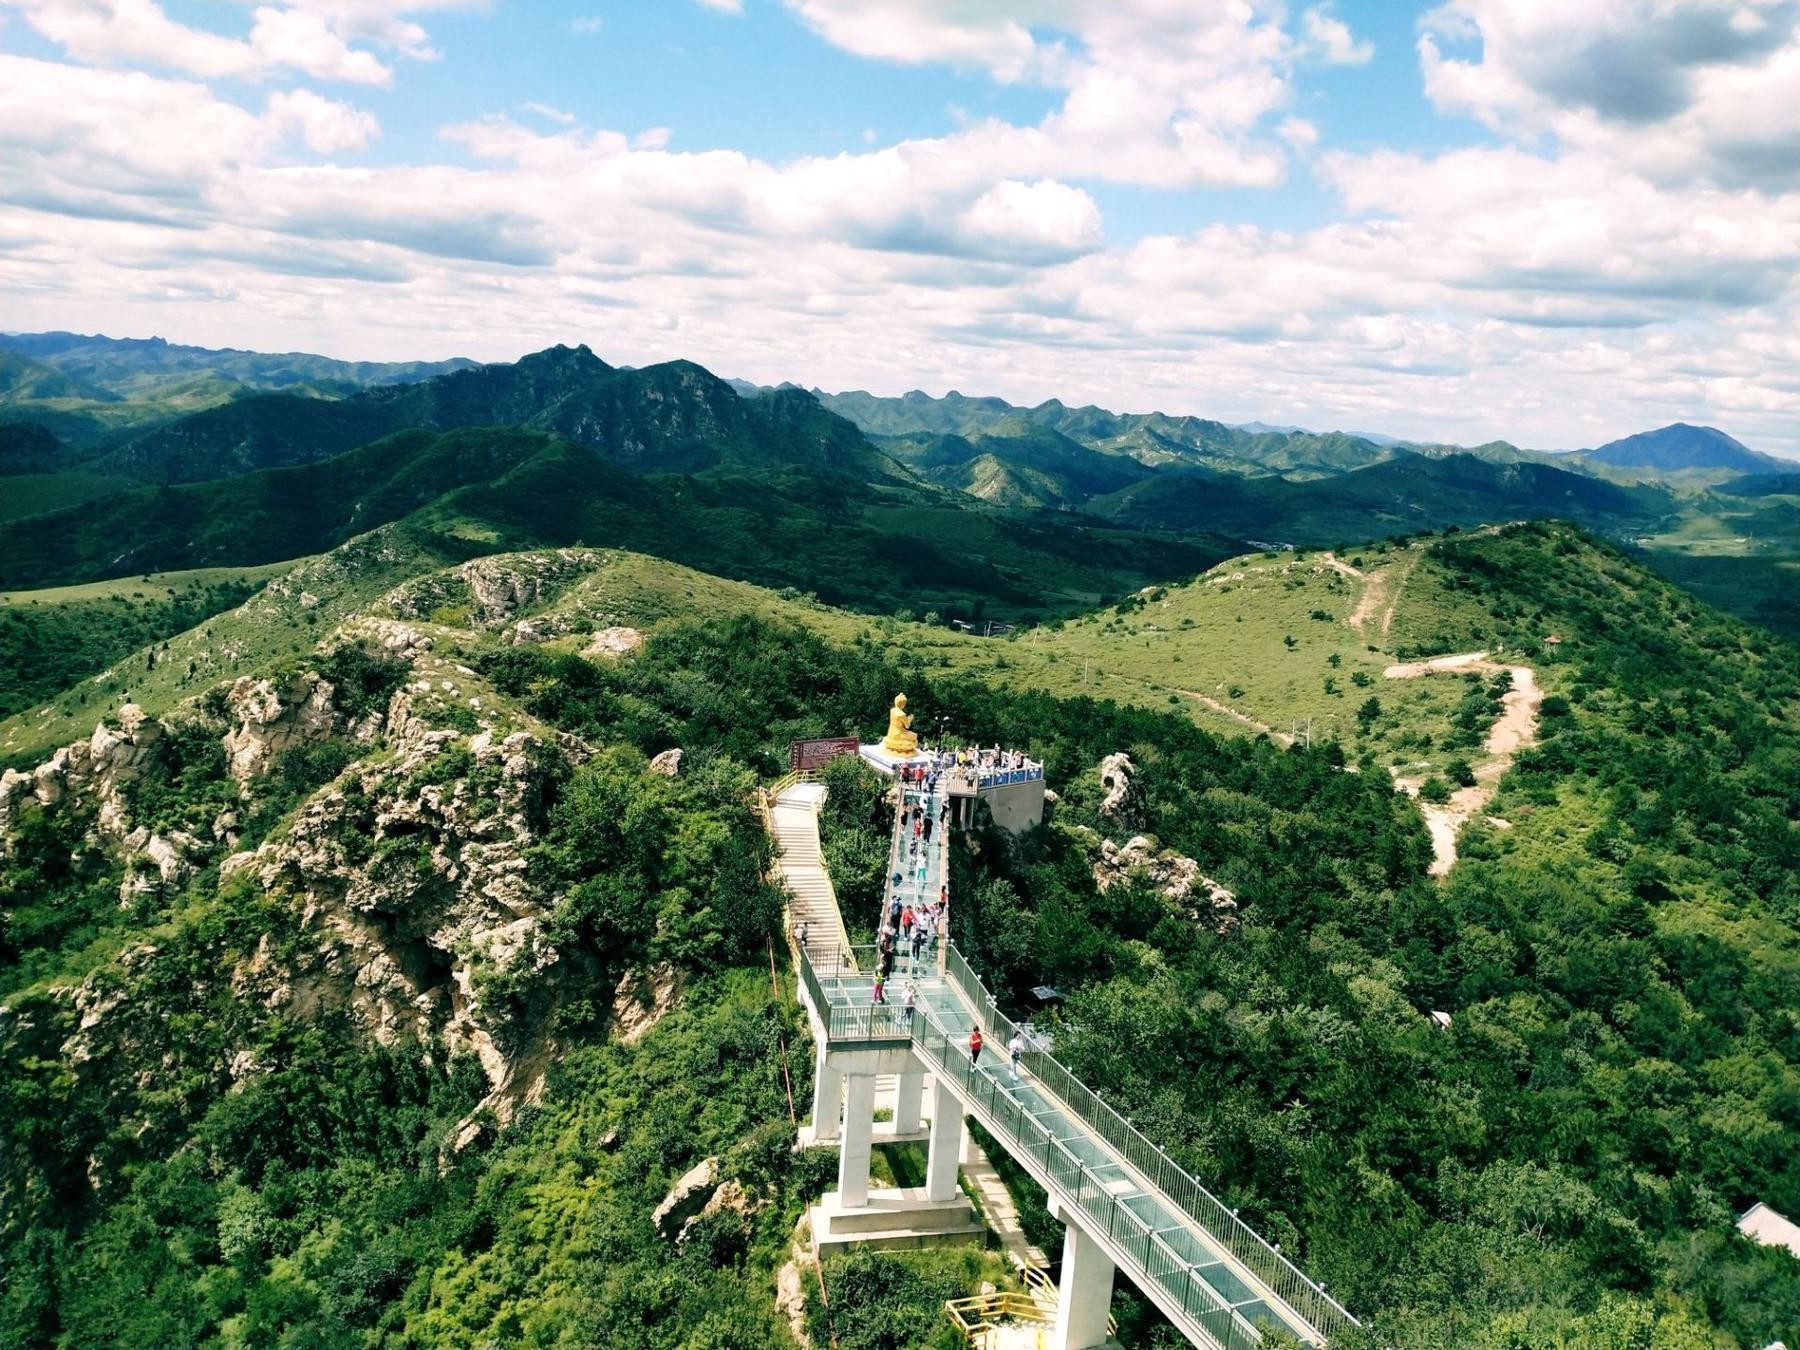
x=1514, y=729
x=1226, y=710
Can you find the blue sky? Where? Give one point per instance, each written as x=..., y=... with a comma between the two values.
x=1486, y=218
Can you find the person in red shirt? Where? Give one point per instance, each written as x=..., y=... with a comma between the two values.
x=974, y=1047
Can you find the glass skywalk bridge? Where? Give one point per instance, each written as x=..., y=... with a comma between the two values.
x=1209, y=1272
x=1185, y=1249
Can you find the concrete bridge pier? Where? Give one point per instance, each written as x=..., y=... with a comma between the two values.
x=909, y=1095
x=858, y=1141
x=1084, y=1293
x=828, y=1093
x=945, y=1147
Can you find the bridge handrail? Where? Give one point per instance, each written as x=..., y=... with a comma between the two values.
x=1284, y=1279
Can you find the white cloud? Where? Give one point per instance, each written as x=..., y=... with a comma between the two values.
x=586, y=24
x=298, y=40
x=1686, y=91
x=549, y=113
x=1597, y=274
x=310, y=36
x=1330, y=38
x=325, y=125
x=725, y=6
x=1154, y=92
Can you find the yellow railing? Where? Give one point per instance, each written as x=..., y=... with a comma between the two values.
x=1032, y=1306
x=976, y=1316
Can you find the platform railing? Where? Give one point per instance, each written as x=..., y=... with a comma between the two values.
x=1278, y=1274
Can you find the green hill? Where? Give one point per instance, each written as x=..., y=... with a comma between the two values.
x=1153, y=439
x=1615, y=951
x=140, y=367
x=1403, y=495
x=1680, y=447
x=673, y=417
x=1018, y=464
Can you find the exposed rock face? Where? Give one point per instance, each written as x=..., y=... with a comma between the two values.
x=87, y=767
x=272, y=720
x=668, y=763
x=402, y=639
x=501, y=586
x=1115, y=776
x=155, y=863
x=686, y=1198
x=1177, y=879
x=641, y=1001
x=495, y=589
x=615, y=641
x=92, y=770
x=419, y=891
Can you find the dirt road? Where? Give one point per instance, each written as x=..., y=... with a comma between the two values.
x=1514, y=729
x=1226, y=710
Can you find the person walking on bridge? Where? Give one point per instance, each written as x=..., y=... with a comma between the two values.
x=1014, y=1049
x=975, y=1047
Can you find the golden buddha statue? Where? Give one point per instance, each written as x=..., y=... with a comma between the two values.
x=900, y=739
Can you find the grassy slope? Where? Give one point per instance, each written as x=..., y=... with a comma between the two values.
x=274, y=625
x=1220, y=633
x=51, y=638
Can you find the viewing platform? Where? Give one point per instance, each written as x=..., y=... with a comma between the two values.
x=1009, y=781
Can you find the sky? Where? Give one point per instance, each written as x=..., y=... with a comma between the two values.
x=1552, y=222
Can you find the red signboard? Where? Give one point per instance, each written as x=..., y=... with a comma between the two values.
x=811, y=754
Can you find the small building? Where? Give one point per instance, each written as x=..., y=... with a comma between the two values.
x=1770, y=1227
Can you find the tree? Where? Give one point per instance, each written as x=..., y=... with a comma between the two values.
x=1370, y=710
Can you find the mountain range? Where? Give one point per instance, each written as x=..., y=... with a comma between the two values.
x=953, y=500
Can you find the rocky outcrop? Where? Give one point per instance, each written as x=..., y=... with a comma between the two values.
x=94, y=768
x=668, y=763
x=1174, y=876
x=502, y=585
x=418, y=892
x=1116, y=771
x=686, y=1198
x=157, y=863
x=641, y=1001
x=615, y=641
x=401, y=639
x=272, y=719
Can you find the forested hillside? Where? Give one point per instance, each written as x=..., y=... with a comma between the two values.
x=1616, y=952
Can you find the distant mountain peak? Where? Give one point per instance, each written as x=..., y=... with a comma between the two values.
x=1682, y=445
x=560, y=357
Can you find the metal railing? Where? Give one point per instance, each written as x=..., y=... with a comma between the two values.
x=1278, y=1274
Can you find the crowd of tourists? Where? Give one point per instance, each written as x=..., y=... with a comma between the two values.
x=914, y=923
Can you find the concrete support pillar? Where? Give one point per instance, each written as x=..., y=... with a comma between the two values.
x=1084, y=1296
x=828, y=1091
x=854, y=1150
x=944, y=1149
x=966, y=1147
x=909, y=1093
